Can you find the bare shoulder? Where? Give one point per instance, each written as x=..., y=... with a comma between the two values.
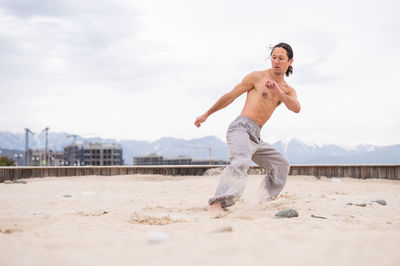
x=247, y=84
x=253, y=77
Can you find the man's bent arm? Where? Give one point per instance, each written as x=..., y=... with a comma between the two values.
x=290, y=100
x=246, y=85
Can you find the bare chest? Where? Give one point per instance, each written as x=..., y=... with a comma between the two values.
x=265, y=96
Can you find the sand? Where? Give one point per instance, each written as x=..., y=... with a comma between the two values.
x=163, y=220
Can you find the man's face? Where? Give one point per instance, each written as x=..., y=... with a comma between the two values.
x=280, y=61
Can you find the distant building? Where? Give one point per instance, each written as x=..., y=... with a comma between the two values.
x=74, y=155
x=17, y=156
x=155, y=159
x=206, y=162
x=93, y=154
x=38, y=158
x=56, y=158
x=152, y=159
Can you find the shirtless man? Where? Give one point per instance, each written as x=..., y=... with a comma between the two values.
x=266, y=90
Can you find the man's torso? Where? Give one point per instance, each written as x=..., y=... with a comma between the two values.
x=260, y=101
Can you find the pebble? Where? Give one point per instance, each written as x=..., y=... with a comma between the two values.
x=20, y=182
x=157, y=237
x=381, y=202
x=15, y=182
x=316, y=216
x=67, y=195
x=223, y=229
x=287, y=213
x=358, y=204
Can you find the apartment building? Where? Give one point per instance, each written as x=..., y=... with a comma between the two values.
x=93, y=154
x=155, y=159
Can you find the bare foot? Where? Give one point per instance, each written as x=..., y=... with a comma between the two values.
x=216, y=209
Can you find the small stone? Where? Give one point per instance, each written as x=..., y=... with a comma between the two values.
x=357, y=204
x=320, y=217
x=223, y=229
x=361, y=204
x=67, y=196
x=20, y=182
x=287, y=213
x=381, y=202
x=105, y=212
x=8, y=182
x=157, y=237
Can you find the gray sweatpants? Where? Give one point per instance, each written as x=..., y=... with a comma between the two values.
x=245, y=145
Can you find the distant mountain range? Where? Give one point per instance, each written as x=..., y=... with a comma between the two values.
x=301, y=153
x=295, y=150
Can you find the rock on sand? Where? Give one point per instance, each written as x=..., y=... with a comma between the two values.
x=287, y=213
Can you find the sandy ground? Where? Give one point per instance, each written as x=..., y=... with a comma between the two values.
x=163, y=220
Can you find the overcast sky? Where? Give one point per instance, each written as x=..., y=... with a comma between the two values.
x=146, y=69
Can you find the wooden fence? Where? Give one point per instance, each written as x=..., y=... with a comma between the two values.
x=355, y=171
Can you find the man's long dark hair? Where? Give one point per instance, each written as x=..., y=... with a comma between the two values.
x=289, y=52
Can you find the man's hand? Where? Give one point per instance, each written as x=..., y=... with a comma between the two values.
x=289, y=99
x=200, y=120
x=274, y=87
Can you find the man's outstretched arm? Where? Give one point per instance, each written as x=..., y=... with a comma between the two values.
x=244, y=86
x=290, y=99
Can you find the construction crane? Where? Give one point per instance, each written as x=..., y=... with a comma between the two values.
x=203, y=147
x=47, y=144
x=27, y=132
x=72, y=136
